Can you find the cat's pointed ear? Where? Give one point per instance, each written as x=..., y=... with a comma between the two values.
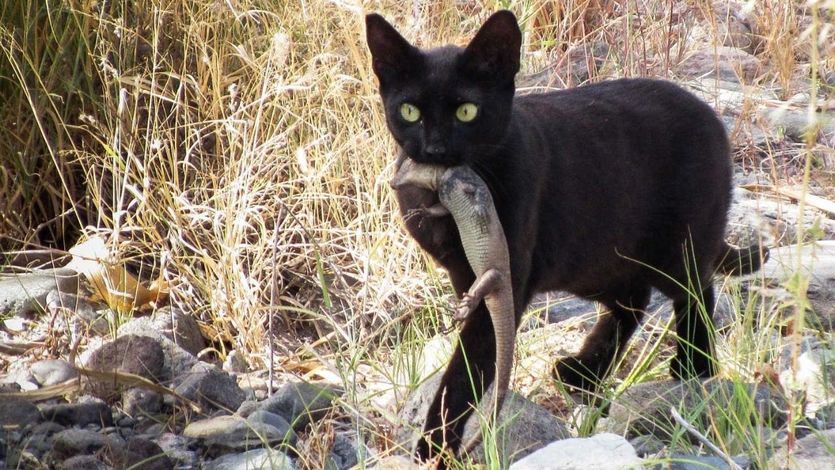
x=391, y=54
x=494, y=51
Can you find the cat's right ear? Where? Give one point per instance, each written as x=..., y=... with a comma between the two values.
x=391, y=54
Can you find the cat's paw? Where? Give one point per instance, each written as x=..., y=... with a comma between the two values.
x=699, y=366
x=572, y=372
x=432, y=455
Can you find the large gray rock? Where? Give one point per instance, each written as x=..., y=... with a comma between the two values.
x=702, y=462
x=211, y=388
x=180, y=328
x=724, y=63
x=138, y=355
x=602, y=451
x=136, y=453
x=39, y=439
x=300, y=402
x=257, y=458
x=24, y=294
x=140, y=401
x=177, y=448
x=86, y=462
x=178, y=361
x=276, y=421
x=813, y=374
x=82, y=311
x=72, y=442
x=645, y=408
x=18, y=413
x=234, y=432
x=524, y=426
x=81, y=413
x=52, y=371
x=814, y=452
x=343, y=454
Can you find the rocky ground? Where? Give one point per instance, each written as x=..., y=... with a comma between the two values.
x=78, y=395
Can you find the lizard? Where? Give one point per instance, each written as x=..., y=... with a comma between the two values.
x=466, y=197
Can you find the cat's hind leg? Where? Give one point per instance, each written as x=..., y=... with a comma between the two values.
x=694, y=327
x=606, y=342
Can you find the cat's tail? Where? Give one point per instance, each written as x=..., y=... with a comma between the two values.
x=741, y=261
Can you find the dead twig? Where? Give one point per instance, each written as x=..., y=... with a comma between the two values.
x=703, y=439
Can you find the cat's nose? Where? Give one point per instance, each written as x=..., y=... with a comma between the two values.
x=435, y=150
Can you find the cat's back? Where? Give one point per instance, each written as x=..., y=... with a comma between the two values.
x=651, y=101
x=626, y=164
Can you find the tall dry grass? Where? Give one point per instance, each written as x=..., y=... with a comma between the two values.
x=237, y=148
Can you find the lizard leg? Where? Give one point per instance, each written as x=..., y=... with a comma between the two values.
x=484, y=284
x=437, y=210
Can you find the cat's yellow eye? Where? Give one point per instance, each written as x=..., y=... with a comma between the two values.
x=409, y=112
x=466, y=112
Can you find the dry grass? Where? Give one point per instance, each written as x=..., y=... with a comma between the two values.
x=237, y=148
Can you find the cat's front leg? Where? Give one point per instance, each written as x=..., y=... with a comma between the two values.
x=437, y=235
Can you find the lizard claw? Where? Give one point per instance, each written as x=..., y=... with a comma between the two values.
x=416, y=212
x=464, y=308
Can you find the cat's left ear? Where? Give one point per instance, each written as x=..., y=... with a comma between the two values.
x=391, y=55
x=494, y=51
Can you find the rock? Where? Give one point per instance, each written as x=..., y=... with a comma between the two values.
x=821, y=296
x=646, y=445
x=813, y=376
x=88, y=411
x=21, y=375
x=38, y=440
x=795, y=121
x=140, y=401
x=813, y=452
x=52, y=371
x=602, y=451
x=72, y=442
x=24, y=294
x=234, y=432
x=81, y=310
x=177, y=449
x=276, y=421
x=752, y=218
x=300, y=402
x=525, y=426
x=211, y=387
x=645, y=408
x=178, y=361
x=396, y=462
x=826, y=415
x=180, y=328
x=137, y=453
x=9, y=387
x=235, y=363
x=733, y=25
x=139, y=355
x=343, y=454
x=85, y=462
x=257, y=458
x=18, y=413
x=22, y=459
x=702, y=462
x=724, y=63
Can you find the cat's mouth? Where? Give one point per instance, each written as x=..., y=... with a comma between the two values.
x=445, y=159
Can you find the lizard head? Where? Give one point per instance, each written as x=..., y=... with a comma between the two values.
x=421, y=175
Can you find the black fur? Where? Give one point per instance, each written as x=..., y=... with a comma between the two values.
x=604, y=191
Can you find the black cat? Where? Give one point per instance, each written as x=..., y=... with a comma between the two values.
x=605, y=191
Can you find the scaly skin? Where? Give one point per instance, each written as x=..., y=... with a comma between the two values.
x=465, y=196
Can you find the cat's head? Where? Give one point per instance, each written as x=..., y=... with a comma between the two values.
x=447, y=105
